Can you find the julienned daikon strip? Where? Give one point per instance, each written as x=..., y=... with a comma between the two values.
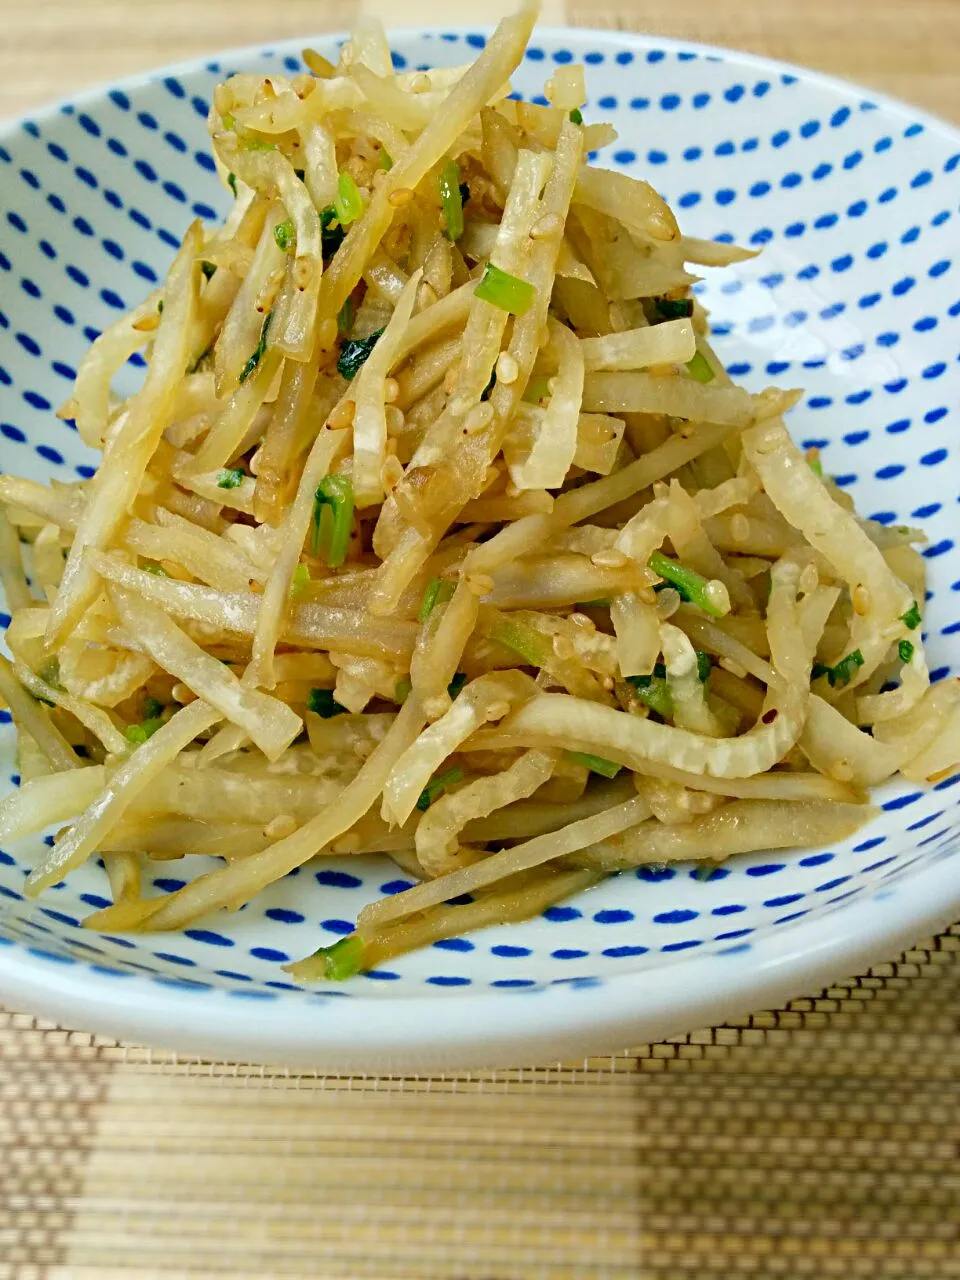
x=629, y=200
x=45, y=802
x=369, y=419
x=528, y=534
x=33, y=718
x=517, y=900
x=489, y=697
x=495, y=65
x=107, y=355
x=270, y=724
x=15, y=589
x=673, y=342
x=243, y=880
x=552, y=452
x=436, y=834
x=308, y=625
x=114, y=487
x=275, y=603
x=803, y=499
x=123, y=787
x=508, y=862
x=742, y=826
x=682, y=397
x=93, y=718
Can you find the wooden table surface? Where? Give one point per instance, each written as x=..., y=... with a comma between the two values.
x=51, y=47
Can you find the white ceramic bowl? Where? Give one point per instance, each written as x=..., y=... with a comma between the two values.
x=855, y=297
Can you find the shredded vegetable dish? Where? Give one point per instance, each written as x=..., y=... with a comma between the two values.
x=438, y=530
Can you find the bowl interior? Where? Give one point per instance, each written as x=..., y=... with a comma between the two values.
x=855, y=298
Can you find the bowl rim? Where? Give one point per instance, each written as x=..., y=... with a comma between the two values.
x=490, y=1029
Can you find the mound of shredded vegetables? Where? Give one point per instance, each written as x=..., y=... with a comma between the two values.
x=438, y=530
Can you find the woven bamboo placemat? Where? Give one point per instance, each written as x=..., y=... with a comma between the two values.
x=813, y=1141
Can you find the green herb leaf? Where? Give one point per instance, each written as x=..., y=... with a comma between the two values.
x=457, y=683
x=700, y=368
x=386, y=163
x=230, y=478
x=450, y=199
x=331, y=232
x=208, y=269
x=505, y=291
x=704, y=666
x=345, y=316
x=912, y=618
x=437, y=592
x=596, y=764
x=322, y=703
x=261, y=347
x=576, y=116
x=284, y=234
x=336, y=494
x=905, y=650
x=354, y=353
x=342, y=959
x=437, y=786
x=813, y=462
x=691, y=586
x=152, y=709
x=349, y=203
x=232, y=182
x=674, y=308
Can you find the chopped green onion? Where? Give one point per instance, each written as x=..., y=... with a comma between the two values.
x=335, y=492
x=576, y=116
x=532, y=647
x=208, y=269
x=322, y=703
x=331, y=231
x=842, y=673
x=232, y=182
x=354, y=353
x=704, y=665
x=402, y=690
x=137, y=734
x=349, y=202
x=230, y=478
x=905, y=650
x=345, y=316
x=301, y=577
x=505, y=291
x=700, y=368
x=537, y=389
x=674, y=308
x=912, y=618
x=342, y=959
x=261, y=347
x=386, y=163
x=152, y=709
x=813, y=462
x=152, y=566
x=690, y=585
x=457, y=683
x=653, y=691
x=284, y=234
x=230, y=121
x=437, y=786
x=450, y=199
x=438, y=591
x=596, y=764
